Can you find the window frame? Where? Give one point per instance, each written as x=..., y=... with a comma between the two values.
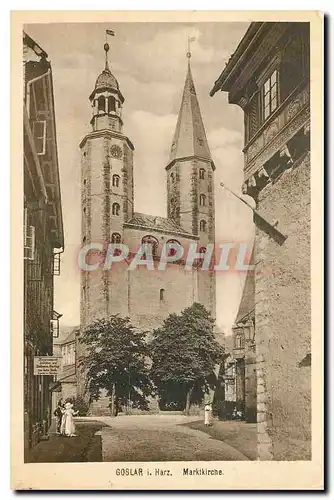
x=43, y=137
x=115, y=180
x=202, y=200
x=116, y=207
x=153, y=241
x=116, y=236
x=272, y=84
x=202, y=223
x=171, y=241
x=29, y=238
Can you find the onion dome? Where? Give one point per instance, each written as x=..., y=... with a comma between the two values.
x=106, y=80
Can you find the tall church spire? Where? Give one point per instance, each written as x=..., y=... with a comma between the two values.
x=189, y=138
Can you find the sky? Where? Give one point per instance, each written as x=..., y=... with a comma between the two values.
x=149, y=62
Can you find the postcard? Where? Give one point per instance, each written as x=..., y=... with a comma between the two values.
x=167, y=218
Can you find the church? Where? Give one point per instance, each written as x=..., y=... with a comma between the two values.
x=108, y=214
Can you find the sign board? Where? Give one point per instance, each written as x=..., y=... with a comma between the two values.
x=46, y=365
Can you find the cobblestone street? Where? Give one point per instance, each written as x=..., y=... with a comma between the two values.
x=148, y=438
x=161, y=437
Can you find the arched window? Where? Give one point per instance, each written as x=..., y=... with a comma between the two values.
x=202, y=250
x=202, y=226
x=111, y=104
x=202, y=200
x=101, y=103
x=116, y=238
x=151, y=240
x=115, y=180
x=162, y=291
x=115, y=208
x=172, y=178
x=172, y=250
x=201, y=173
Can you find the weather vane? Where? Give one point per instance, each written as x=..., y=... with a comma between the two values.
x=190, y=39
x=107, y=47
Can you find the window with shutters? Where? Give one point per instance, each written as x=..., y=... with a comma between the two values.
x=39, y=133
x=29, y=238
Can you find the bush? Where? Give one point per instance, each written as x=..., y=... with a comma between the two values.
x=80, y=405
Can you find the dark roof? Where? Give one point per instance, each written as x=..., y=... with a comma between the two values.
x=106, y=79
x=155, y=223
x=29, y=42
x=189, y=137
x=237, y=54
x=69, y=338
x=66, y=333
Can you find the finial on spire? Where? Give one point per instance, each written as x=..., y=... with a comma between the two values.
x=107, y=47
x=190, y=39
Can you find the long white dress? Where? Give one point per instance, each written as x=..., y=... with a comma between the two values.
x=207, y=414
x=67, y=423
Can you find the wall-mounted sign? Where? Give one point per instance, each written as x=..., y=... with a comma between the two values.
x=46, y=365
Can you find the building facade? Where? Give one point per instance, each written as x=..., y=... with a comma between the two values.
x=109, y=216
x=43, y=234
x=268, y=76
x=65, y=387
x=240, y=362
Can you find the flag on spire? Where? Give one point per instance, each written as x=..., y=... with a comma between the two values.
x=110, y=32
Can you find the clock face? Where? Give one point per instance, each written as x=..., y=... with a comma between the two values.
x=116, y=151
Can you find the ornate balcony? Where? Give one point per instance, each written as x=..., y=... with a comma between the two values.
x=291, y=116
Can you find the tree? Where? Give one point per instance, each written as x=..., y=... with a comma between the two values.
x=184, y=354
x=116, y=361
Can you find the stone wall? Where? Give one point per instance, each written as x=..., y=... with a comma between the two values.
x=283, y=319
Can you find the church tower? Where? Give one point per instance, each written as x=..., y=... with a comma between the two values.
x=190, y=183
x=106, y=186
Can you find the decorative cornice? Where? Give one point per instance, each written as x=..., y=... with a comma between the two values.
x=277, y=142
x=190, y=158
x=103, y=133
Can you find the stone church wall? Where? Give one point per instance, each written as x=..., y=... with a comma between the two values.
x=283, y=319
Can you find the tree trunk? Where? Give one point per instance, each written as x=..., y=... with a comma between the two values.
x=187, y=410
x=113, y=401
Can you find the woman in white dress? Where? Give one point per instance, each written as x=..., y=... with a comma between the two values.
x=67, y=423
x=207, y=415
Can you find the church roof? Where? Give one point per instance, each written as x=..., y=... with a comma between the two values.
x=189, y=138
x=247, y=303
x=161, y=224
x=106, y=80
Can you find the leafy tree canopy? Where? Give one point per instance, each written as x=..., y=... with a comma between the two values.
x=116, y=360
x=185, y=352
